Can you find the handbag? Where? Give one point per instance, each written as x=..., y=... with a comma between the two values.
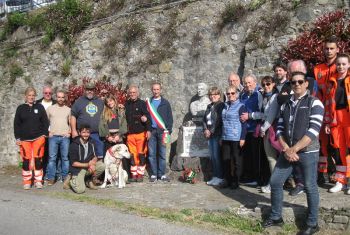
x=273, y=140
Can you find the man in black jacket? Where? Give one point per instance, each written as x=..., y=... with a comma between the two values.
x=83, y=161
x=139, y=131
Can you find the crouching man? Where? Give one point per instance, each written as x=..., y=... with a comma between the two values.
x=83, y=161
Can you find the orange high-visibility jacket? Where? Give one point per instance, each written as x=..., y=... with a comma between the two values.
x=331, y=87
x=322, y=73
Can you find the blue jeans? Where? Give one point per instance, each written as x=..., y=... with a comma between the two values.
x=214, y=150
x=155, y=146
x=99, y=145
x=308, y=164
x=58, y=143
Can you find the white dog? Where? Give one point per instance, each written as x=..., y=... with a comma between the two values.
x=114, y=172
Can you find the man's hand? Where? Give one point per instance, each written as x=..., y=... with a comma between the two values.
x=148, y=135
x=241, y=143
x=262, y=133
x=291, y=154
x=18, y=142
x=327, y=129
x=50, y=134
x=207, y=134
x=143, y=118
x=244, y=117
x=92, y=165
x=74, y=133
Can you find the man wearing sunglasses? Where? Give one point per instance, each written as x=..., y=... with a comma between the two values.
x=47, y=99
x=297, y=130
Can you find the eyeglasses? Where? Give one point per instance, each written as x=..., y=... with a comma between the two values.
x=230, y=93
x=47, y=93
x=266, y=84
x=294, y=82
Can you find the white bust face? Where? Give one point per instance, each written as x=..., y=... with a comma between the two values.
x=202, y=89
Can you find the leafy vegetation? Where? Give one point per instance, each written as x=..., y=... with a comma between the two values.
x=106, y=8
x=231, y=14
x=309, y=45
x=15, y=71
x=255, y=4
x=134, y=29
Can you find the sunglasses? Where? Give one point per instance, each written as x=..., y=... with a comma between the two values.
x=47, y=93
x=300, y=82
x=230, y=93
x=266, y=84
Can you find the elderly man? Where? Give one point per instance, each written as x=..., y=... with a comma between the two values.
x=139, y=131
x=234, y=80
x=47, y=99
x=162, y=124
x=297, y=131
x=252, y=99
x=87, y=110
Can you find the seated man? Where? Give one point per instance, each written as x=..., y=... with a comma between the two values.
x=83, y=161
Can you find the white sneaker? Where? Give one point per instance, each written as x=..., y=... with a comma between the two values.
x=210, y=182
x=266, y=189
x=217, y=182
x=38, y=185
x=26, y=186
x=348, y=192
x=336, y=188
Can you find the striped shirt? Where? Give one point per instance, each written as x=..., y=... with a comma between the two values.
x=315, y=123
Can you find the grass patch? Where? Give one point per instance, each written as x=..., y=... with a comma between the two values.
x=224, y=221
x=66, y=66
x=15, y=71
x=255, y=4
x=134, y=30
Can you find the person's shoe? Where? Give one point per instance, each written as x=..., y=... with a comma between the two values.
x=251, y=183
x=153, y=178
x=348, y=191
x=66, y=184
x=91, y=185
x=289, y=184
x=217, y=182
x=299, y=189
x=234, y=185
x=210, y=182
x=321, y=180
x=38, y=185
x=139, y=178
x=50, y=182
x=336, y=188
x=270, y=222
x=132, y=179
x=223, y=184
x=266, y=189
x=310, y=230
x=165, y=179
x=26, y=186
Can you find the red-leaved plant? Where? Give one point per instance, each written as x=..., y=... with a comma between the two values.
x=309, y=45
x=102, y=90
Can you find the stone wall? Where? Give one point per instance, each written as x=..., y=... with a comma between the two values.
x=198, y=52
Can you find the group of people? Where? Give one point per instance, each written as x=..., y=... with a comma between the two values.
x=77, y=138
x=302, y=121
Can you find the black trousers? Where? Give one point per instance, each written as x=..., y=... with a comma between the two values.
x=232, y=161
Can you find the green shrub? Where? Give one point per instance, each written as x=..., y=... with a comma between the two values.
x=107, y=8
x=36, y=20
x=15, y=71
x=14, y=21
x=255, y=4
x=66, y=66
x=134, y=29
x=68, y=17
x=231, y=14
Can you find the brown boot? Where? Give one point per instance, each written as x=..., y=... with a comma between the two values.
x=91, y=185
x=66, y=184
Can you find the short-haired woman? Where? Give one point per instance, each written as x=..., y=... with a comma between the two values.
x=30, y=128
x=233, y=137
x=212, y=125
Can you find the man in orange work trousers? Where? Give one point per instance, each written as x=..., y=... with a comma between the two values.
x=323, y=73
x=139, y=131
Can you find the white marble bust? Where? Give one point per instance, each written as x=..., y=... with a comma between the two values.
x=198, y=107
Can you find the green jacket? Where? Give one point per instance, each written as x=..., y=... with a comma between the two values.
x=103, y=125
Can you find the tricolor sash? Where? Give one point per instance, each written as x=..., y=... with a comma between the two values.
x=159, y=120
